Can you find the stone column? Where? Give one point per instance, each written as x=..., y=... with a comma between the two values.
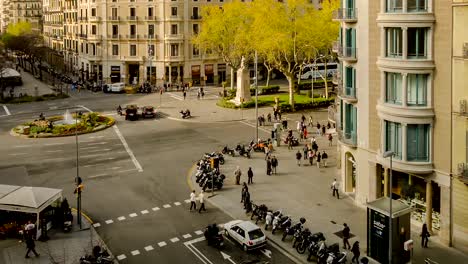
x=405, y=43
x=404, y=89
x=429, y=205
x=404, y=128
x=170, y=73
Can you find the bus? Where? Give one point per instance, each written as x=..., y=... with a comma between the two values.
x=309, y=73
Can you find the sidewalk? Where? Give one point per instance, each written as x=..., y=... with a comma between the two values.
x=66, y=248
x=305, y=192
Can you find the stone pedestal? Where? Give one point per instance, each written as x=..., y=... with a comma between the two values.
x=243, y=86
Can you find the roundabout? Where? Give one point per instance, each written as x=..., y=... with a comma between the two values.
x=66, y=125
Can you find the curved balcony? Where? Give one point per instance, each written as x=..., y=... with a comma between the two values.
x=347, y=93
x=348, y=15
x=406, y=166
x=348, y=54
x=392, y=63
x=347, y=138
x=405, y=114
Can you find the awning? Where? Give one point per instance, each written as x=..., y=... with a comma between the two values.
x=27, y=199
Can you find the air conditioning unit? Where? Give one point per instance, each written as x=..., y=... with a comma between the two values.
x=463, y=107
x=461, y=168
x=465, y=50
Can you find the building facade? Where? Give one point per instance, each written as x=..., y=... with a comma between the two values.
x=129, y=41
x=394, y=96
x=14, y=11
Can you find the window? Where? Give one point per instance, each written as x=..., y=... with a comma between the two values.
x=93, y=12
x=350, y=47
x=195, y=29
x=256, y=234
x=393, y=138
x=394, y=6
x=195, y=51
x=151, y=30
x=93, y=30
x=174, y=11
x=417, y=43
x=114, y=1
x=417, y=142
x=114, y=12
x=132, y=50
x=417, y=89
x=195, y=12
x=115, y=50
x=393, y=87
x=174, y=29
x=174, y=50
x=132, y=12
x=394, y=42
x=150, y=11
x=417, y=5
x=350, y=74
x=150, y=50
x=115, y=30
x=132, y=29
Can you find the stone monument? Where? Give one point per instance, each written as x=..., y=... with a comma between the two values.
x=243, y=84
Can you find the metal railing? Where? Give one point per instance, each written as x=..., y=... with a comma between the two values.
x=349, y=92
x=196, y=17
x=345, y=14
x=332, y=113
x=133, y=36
x=349, y=138
x=114, y=18
x=348, y=52
x=133, y=18
x=150, y=18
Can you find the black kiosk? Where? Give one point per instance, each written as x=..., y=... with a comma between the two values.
x=378, y=227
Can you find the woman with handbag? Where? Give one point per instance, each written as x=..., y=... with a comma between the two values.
x=424, y=236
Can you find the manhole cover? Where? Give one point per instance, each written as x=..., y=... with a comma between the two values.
x=340, y=234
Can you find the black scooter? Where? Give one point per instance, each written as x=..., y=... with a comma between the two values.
x=185, y=114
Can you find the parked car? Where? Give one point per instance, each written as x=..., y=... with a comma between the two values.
x=246, y=233
x=148, y=111
x=114, y=88
x=131, y=112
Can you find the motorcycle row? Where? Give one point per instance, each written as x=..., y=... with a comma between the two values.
x=98, y=256
x=303, y=239
x=207, y=175
x=245, y=151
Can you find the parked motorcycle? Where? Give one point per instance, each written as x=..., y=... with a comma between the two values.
x=213, y=237
x=242, y=151
x=291, y=230
x=310, y=242
x=99, y=256
x=281, y=223
x=217, y=182
x=315, y=248
x=185, y=114
x=260, y=212
x=299, y=237
x=229, y=151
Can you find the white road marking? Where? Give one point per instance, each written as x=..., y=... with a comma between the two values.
x=177, y=203
x=133, y=215
x=166, y=205
x=85, y=108
x=149, y=248
x=114, y=168
x=89, y=165
x=195, y=251
x=155, y=208
x=121, y=218
x=97, y=225
x=90, y=155
x=162, y=244
x=17, y=154
x=187, y=201
x=178, y=97
x=135, y=252
x=97, y=150
x=97, y=176
x=89, y=148
x=175, y=239
x=198, y=232
x=54, y=144
x=109, y=221
x=127, y=148
x=187, y=236
x=22, y=146
x=144, y=212
x=6, y=110
x=96, y=143
x=121, y=257
x=266, y=252
x=54, y=151
x=121, y=152
x=125, y=171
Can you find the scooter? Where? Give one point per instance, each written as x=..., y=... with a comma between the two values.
x=213, y=237
x=268, y=219
x=281, y=223
x=300, y=236
x=185, y=114
x=229, y=151
x=310, y=242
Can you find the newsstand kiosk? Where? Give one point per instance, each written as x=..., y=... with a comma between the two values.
x=378, y=228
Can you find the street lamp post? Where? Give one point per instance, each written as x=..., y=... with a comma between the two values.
x=256, y=96
x=389, y=154
x=313, y=74
x=77, y=179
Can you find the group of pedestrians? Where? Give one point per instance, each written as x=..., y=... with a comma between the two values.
x=310, y=152
x=271, y=165
x=193, y=201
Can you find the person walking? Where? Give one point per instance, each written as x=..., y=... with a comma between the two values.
x=274, y=164
x=238, y=174
x=193, y=199
x=201, y=197
x=245, y=190
x=303, y=118
x=319, y=158
x=324, y=158
x=268, y=164
x=247, y=204
x=356, y=252
x=289, y=139
x=424, y=236
x=330, y=140
x=185, y=94
x=30, y=245
x=305, y=132
x=310, y=154
x=298, y=158
x=334, y=188
x=318, y=128
x=346, y=234
x=324, y=130
x=305, y=150
x=269, y=118
x=250, y=176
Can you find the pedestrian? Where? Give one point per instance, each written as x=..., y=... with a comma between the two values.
x=305, y=150
x=30, y=245
x=319, y=158
x=198, y=94
x=269, y=118
x=318, y=128
x=303, y=119
x=298, y=158
x=324, y=158
x=289, y=139
x=274, y=164
x=245, y=190
x=275, y=113
x=247, y=204
x=259, y=120
x=424, y=236
x=267, y=152
x=330, y=140
x=356, y=252
x=334, y=188
x=299, y=127
x=193, y=199
x=323, y=130
x=268, y=163
x=201, y=197
x=312, y=140
x=346, y=234
x=279, y=114
x=250, y=176
x=328, y=125
x=311, y=121
x=238, y=174
x=314, y=146
x=185, y=94
x=310, y=154
x=305, y=132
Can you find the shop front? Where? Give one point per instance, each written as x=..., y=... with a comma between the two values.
x=221, y=73
x=196, y=74
x=209, y=74
x=115, y=74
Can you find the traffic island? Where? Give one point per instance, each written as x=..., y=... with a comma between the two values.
x=66, y=125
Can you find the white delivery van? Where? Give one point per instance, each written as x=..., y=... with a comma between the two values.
x=116, y=88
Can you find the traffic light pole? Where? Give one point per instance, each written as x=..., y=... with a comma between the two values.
x=77, y=179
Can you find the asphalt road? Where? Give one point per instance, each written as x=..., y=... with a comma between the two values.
x=135, y=177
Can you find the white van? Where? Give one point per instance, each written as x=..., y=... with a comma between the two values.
x=116, y=87
x=308, y=72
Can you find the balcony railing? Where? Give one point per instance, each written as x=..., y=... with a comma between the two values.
x=94, y=18
x=152, y=36
x=332, y=113
x=349, y=92
x=132, y=18
x=83, y=35
x=348, y=138
x=133, y=36
x=115, y=36
x=173, y=36
x=195, y=17
x=114, y=18
x=347, y=53
x=150, y=18
x=346, y=14
x=83, y=18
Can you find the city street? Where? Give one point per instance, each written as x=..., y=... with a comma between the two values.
x=135, y=177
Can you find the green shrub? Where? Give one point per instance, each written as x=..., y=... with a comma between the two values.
x=307, y=85
x=28, y=98
x=317, y=103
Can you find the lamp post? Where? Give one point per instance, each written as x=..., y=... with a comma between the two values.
x=256, y=96
x=313, y=74
x=390, y=154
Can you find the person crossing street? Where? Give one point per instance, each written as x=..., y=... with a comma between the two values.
x=250, y=176
x=193, y=198
x=201, y=197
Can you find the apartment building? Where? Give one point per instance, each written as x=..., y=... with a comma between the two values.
x=394, y=95
x=460, y=123
x=14, y=11
x=129, y=41
x=53, y=24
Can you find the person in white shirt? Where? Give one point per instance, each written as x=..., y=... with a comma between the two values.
x=201, y=197
x=335, y=189
x=193, y=198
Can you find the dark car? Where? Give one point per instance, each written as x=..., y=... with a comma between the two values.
x=148, y=111
x=131, y=112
